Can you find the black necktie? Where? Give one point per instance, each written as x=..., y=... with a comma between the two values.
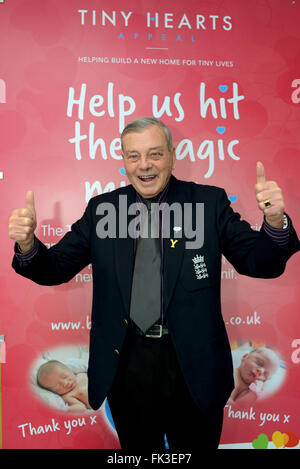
x=146, y=284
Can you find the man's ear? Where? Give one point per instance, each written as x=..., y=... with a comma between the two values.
x=173, y=158
x=122, y=153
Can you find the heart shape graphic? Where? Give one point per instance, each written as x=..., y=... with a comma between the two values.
x=293, y=440
x=221, y=130
x=233, y=198
x=261, y=442
x=280, y=439
x=223, y=88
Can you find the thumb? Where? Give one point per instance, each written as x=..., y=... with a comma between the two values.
x=260, y=173
x=30, y=202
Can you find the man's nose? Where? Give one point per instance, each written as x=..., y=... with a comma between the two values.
x=145, y=163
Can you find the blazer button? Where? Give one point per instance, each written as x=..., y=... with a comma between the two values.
x=126, y=322
x=117, y=351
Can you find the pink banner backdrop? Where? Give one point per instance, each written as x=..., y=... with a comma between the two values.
x=224, y=75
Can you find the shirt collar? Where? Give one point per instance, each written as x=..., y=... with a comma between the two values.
x=159, y=198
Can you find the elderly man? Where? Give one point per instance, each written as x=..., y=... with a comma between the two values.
x=158, y=345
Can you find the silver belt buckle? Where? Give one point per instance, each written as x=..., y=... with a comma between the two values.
x=155, y=336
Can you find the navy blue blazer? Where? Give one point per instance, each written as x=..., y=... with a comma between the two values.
x=191, y=293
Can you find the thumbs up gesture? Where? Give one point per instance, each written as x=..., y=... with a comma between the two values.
x=22, y=224
x=269, y=198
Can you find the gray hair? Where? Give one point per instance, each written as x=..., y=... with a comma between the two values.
x=142, y=123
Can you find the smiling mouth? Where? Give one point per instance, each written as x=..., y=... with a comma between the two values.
x=147, y=179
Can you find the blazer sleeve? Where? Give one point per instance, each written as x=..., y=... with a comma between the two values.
x=63, y=261
x=250, y=252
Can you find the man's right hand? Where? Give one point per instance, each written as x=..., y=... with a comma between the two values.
x=22, y=224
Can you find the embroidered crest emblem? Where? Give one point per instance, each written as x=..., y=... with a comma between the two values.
x=200, y=267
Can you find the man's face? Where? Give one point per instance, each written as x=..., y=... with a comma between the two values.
x=148, y=162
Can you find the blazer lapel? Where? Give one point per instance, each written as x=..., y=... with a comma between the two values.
x=124, y=247
x=173, y=246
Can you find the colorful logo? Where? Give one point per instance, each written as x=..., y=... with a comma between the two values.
x=280, y=440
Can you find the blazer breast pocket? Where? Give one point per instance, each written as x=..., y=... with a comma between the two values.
x=198, y=271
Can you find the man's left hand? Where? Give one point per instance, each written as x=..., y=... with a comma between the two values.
x=268, y=192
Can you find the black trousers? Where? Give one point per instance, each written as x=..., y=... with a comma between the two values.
x=149, y=399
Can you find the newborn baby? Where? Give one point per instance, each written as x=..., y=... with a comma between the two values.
x=57, y=377
x=256, y=367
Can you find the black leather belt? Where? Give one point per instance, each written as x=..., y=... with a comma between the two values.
x=155, y=331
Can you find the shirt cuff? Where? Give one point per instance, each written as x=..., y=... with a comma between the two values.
x=281, y=236
x=26, y=258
